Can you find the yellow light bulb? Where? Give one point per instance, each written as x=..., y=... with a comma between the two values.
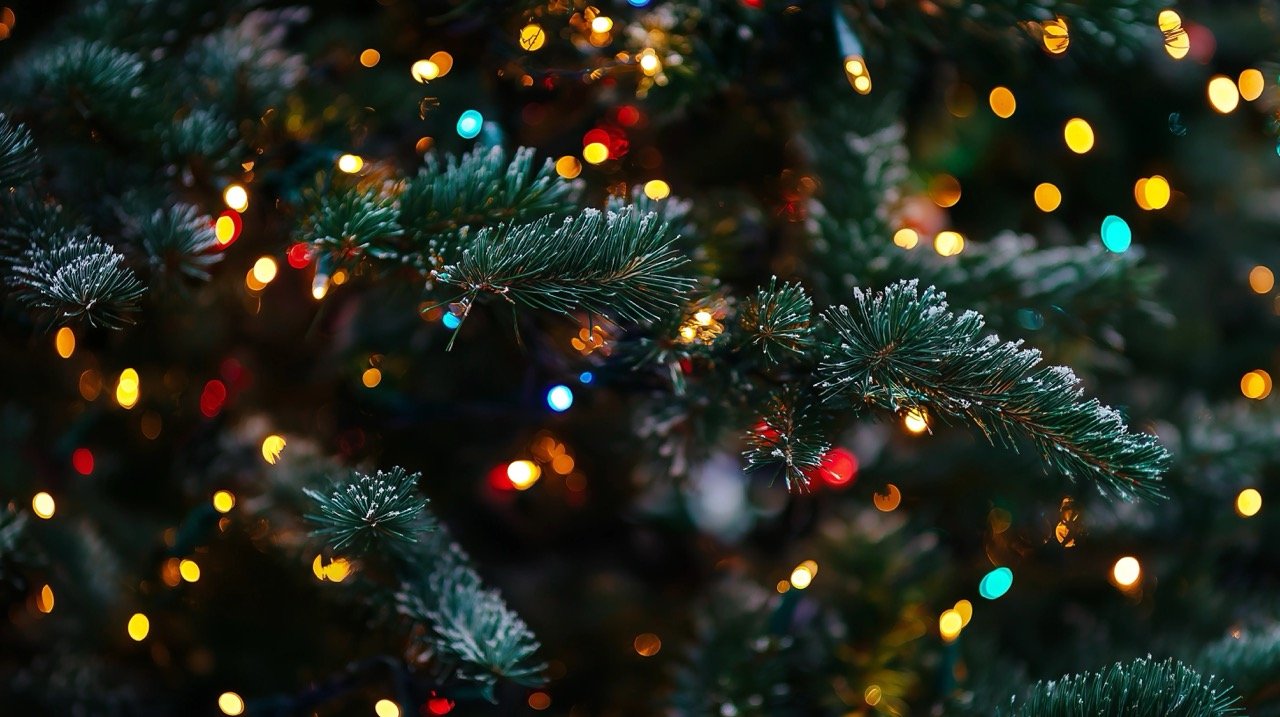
x=236, y=197
x=1156, y=192
x=1224, y=96
x=1127, y=570
x=370, y=57
x=424, y=70
x=386, y=708
x=948, y=243
x=350, y=163
x=601, y=24
x=964, y=609
x=1055, y=36
x=43, y=505
x=523, y=474
x=1256, y=384
x=229, y=702
x=1048, y=197
x=1079, y=135
x=64, y=342
x=189, y=570
x=224, y=501
x=224, y=229
x=265, y=270
x=568, y=167
x=656, y=189
x=127, y=389
x=916, y=420
x=906, y=238
x=650, y=65
x=1248, y=503
x=272, y=446
x=1176, y=40
x=803, y=574
x=1002, y=102
x=595, y=153
x=1261, y=279
x=856, y=72
x=44, y=601
x=1251, y=84
x=139, y=626
x=950, y=623
x=532, y=37
x=371, y=377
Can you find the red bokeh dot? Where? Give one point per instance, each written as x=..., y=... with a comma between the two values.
x=839, y=468
x=299, y=255
x=212, y=398
x=438, y=706
x=628, y=115
x=82, y=461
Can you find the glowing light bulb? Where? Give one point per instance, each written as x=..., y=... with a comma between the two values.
x=1176, y=40
x=138, y=627
x=1261, y=279
x=523, y=474
x=1155, y=192
x=1251, y=84
x=424, y=70
x=601, y=24
x=64, y=342
x=916, y=420
x=469, y=124
x=43, y=505
x=649, y=63
x=1079, y=135
x=532, y=37
x=1256, y=384
x=1224, y=96
x=370, y=57
x=127, y=389
x=371, y=377
x=386, y=708
x=568, y=167
x=856, y=72
x=229, y=703
x=1127, y=570
x=560, y=398
x=1048, y=197
x=1248, y=502
x=272, y=446
x=950, y=623
x=224, y=501
x=189, y=570
x=1116, y=234
x=803, y=574
x=948, y=243
x=656, y=189
x=225, y=229
x=996, y=583
x=265, y=270
x=44, y=601
x=647, y=644
x=889, y=500
x=595, y=153
x=1055, y=36
x=236, y=197
x=1002, y=102
x=350, y=163
x=964, y=609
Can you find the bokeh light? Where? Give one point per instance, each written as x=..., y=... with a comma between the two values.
x=906, y=237
x=1261, y=279
x=995, y=583
x=1248, y=502
x=1116, y=235
x=1127, y=570
x=1078, y=134
x=1002, y=102
x=272, y=446
x=1224, y=96
x=560, y=398
x=469, y=124
x=229, y=702
x=139, y=626
x=64, y=342
x=1048, y=197
x=1256, y=384
x=43, y=505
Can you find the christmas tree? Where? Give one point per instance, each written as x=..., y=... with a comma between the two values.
x=704, y=357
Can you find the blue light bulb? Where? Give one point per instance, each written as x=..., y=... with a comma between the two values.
x=470, y=123
x=560, y=398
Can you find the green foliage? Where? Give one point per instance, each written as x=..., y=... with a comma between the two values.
x=349, y=222
x=19, y=160
x=481, y=188
x=1250, y=661
x=901, y=349
x=787, y=439
x=617, y=265
x=777, y=322
x=1141, y=688
x=93, y=78
x=246, y=63
x=179, y=240
x=202, y=133
x=383, y=510
x=77, y=278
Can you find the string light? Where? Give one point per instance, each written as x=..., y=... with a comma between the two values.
x=560, y=398
x=649, y=63
x=595, y=153
x=1251, y=83
x=523, y=474
x=1047, y=196
x=272, y=446
x=855, y=70
x=229, y=702
x=265, y=270
x=1176, y=40
x=656, y=189
x=43, y=505
x=1248, y=503
x=224, y=501
x=82, y=461
x=601, y=24
x=386, y=708
x=1261, y=279
x=138, y=627
x=350, y=163
x=568, y=167
x=236, y=197
x=44, y=600
x=470, y=123
x=64, y=342
x=803, y=574
x=916, y=420
x=532, y=37
x=906, y=237
x=996, y=583
x=424, y=71
x=950, y=624
x=948, y=243
x=227, y=227
x=647, y=644
x=1126, y=572
x=1078, y=134
x=1224, y=96
x=189, y=570
x=128, y=388
x=1002, y=102
x=1055, y=36
x=1256, y=384
x=1116, y=234
x=1152, y=192
x=370, y=57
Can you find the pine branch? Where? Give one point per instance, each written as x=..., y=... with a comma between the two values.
x=443, y=202
x=19, y=160
x=202, y=133
x=383, y=510
x=91, y=77
x=777, y=322
x=348, y=223
x=77, y=278
x=1141, y=688
x=178, y=240
x=1251, y=660
x=618, y=265
x=900, y=349
x=787, y=439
